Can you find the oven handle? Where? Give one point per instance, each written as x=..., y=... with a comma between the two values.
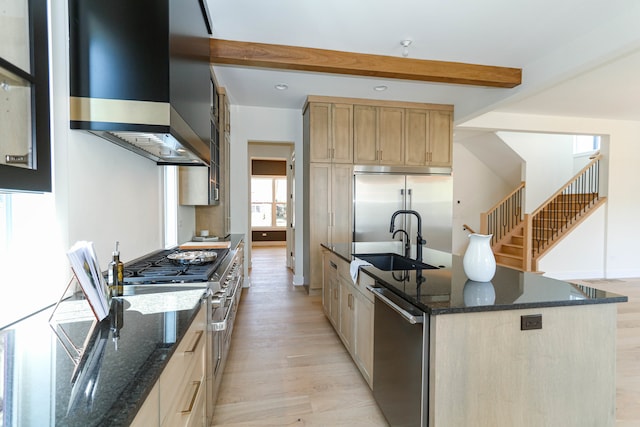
x=377, y=292
x=222, y=325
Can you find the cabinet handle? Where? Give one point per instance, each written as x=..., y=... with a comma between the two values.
x=333, y=265
x=196, y=387
x=195, y=343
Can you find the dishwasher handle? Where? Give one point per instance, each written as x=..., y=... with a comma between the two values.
x=411, y=318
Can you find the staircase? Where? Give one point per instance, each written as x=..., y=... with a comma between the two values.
x=519, y=240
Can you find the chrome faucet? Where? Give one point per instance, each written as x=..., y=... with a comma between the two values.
x=419, y=240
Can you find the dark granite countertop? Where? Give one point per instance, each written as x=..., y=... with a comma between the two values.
x=41, y=385
x=448, y=290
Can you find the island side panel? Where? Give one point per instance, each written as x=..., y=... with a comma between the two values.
x=486, y=371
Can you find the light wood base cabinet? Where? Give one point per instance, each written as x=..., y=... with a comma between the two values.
x=350, y=310
x=485, y=371
x=149, y=413
x=178, y=398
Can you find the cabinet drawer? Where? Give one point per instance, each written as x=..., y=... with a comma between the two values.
x=183, y=378
x=365, y=280
x=343, y=267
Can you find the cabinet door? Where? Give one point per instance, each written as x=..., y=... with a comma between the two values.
x=365, y=146
x=319, y=216
x=319, y=132
x=391, y=136
x=334, y=287
x=440, y=138
x=363, y=340
x=193, y=185
x=416, y=142
x=342, y=133
x=328, y=274
x=347, y=305
x=341, y=203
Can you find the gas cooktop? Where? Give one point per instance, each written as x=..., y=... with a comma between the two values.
x=157, y=268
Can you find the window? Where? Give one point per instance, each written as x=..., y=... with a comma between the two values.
x=25, y=148
x=269, y=202
x=583, y=144
x=26, y=218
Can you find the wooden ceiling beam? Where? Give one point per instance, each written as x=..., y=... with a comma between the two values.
x=250, y=54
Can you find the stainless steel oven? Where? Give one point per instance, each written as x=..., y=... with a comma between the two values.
x=223, y=308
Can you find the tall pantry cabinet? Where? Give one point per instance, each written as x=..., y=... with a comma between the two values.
x=328, y=136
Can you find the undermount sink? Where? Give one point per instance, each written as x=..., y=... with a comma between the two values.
x=391, y=261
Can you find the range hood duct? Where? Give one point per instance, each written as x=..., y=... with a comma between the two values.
x=146, y=87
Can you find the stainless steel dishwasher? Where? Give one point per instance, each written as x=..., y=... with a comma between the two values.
x=400, y=359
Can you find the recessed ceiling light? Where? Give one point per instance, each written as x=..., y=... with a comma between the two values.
x=281, y=86
x=380, y=88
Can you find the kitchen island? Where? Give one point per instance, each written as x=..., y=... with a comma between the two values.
x=128, y=369
x=521, y=350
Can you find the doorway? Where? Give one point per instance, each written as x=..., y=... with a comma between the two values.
x=271, y=204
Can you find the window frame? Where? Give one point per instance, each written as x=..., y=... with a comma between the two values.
x=273, y=203
x=37, y=179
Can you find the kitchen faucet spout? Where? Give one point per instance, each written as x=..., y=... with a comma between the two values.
x=407, y=241
x=419, y=240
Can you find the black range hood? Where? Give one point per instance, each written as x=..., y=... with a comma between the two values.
x=140, y=76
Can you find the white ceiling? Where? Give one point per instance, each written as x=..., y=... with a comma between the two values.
x=579, y=57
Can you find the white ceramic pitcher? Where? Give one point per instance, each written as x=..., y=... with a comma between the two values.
x=478, y=261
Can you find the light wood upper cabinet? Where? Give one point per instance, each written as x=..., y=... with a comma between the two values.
x=320, y=132
x=365, y=140
x=378, y=135
x=441, y=138
x=331, y=132
x=391, y=136
x=342, y=128
x=428, y=138
x=416, y=137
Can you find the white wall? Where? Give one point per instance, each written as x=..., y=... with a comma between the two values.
x=569, y=259
x=548, y=163
x=476, y=188
x=618, y=250
x=266, y=125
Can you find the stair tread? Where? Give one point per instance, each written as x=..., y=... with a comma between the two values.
x=505, y=255
x=513, y=245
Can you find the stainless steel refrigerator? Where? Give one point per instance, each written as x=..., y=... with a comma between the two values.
x=379, y=193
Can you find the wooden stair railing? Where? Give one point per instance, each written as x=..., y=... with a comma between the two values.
x=565, y=209
x=519, y=240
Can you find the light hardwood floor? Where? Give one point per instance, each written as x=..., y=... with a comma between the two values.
x=287, y=367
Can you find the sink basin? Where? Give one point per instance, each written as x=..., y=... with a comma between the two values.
x=391, y=261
